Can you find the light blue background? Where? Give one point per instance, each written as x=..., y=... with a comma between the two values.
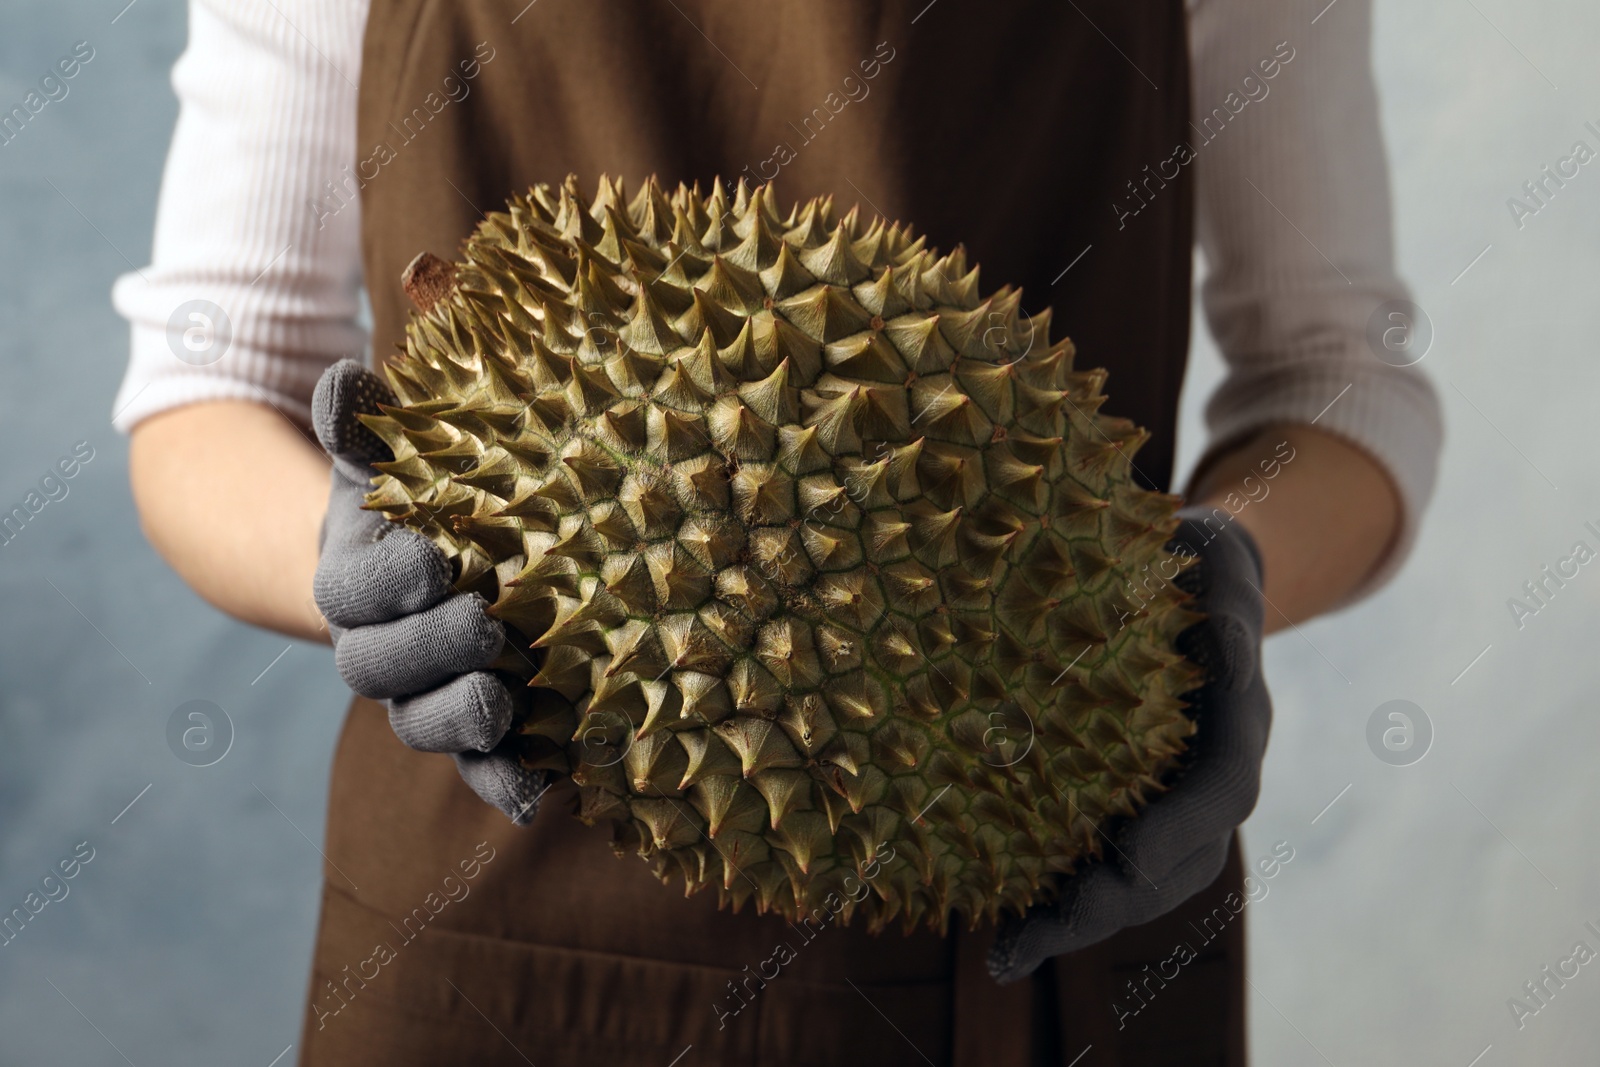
x=1415, y=905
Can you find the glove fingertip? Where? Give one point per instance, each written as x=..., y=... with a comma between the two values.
x=470, y=713
x=1004, y=966
x=494, y=705
x=501, y=781
x=487, y=631
x=345, y=390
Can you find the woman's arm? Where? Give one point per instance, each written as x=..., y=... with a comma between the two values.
x=256, y=218
x=232, y=495
x=1324, y=521
x=1293, y=219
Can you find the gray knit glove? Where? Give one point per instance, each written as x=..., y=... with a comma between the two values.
x=401, y=633
x=1177, y=846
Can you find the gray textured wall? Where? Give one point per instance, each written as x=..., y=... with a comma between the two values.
x=1415, y=906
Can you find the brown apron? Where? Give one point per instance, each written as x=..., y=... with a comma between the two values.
x=449, y=936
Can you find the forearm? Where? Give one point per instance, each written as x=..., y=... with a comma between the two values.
x=232, y=495
x=1323, y=522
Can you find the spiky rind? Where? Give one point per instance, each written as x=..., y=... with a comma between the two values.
x=831, y=582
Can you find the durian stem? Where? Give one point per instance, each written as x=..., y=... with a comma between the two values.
x=428, y=280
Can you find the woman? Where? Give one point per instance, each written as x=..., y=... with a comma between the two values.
x=318, y=142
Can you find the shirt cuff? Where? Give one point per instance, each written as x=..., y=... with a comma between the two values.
x=145, y=392
x=263, y=358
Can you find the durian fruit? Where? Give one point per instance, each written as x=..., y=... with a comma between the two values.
x=830, y=583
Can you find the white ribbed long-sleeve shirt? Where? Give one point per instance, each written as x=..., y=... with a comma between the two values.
x=1293, y=222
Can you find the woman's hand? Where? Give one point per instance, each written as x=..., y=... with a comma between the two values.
x=1179, y=843
x=1266, y=555
x=401, y=632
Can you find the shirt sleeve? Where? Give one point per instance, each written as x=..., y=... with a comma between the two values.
x=254, y=280
x=1294, y=225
